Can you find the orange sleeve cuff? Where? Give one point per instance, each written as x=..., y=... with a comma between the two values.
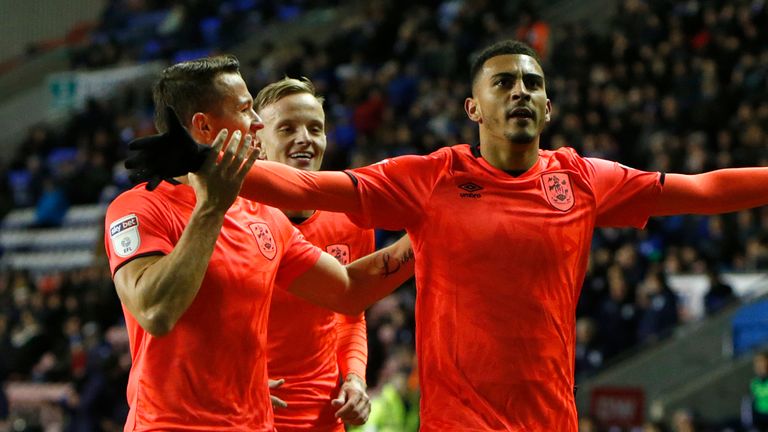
x=352, y=345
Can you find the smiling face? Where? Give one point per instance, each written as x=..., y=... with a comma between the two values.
x=294, y=131
x=509, y=100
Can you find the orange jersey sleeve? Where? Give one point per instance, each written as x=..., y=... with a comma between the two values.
x=392, y=192
x=136, y=226
x=351, y=331
x=622, y=194
x=288, y=188
x=720, y=191
x=300, y=256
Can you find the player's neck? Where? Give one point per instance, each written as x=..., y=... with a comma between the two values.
x=511, y=157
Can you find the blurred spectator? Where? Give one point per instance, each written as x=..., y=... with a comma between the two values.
x=533, y=31
x=653, y=427
x=658, y=307
x=719, y=294
x=52, y=205
x=759, y=391
x=683, y=420
x=587, y=424
x=589, y=356
x=5, y=350
x=618, y=315
x=392, y=407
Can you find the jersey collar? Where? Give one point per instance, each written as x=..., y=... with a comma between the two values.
x=475, y=150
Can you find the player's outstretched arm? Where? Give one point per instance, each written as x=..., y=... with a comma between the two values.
x=288, y=188
x=158, y=290
x=352, y=288
x=714, y=192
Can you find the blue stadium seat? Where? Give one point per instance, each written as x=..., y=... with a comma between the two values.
x=209, y=27
x=750, y=327
x=185, y=55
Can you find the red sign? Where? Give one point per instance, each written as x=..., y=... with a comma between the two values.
x=618, y=406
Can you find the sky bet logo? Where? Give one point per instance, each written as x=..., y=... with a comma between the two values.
x=124, y=234
x=123, y=225
x=471, y=190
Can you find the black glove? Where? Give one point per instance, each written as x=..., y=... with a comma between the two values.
x=165, y=156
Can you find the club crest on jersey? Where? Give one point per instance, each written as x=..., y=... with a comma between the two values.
x=264, y=239
x=124, y=234
x=340, y=252
x=557, y=188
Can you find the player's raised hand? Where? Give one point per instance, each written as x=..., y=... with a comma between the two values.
x=352, y=401
x=165, y=156
x=219, y=179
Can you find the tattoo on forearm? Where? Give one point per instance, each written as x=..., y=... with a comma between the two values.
x=392, y=264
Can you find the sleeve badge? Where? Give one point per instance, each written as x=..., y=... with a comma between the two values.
x=124, y=234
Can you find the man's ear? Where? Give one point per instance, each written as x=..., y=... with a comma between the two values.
x=548, y=111
x=473, y=110
x=200, y=128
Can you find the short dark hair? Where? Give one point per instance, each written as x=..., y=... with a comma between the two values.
x=189, y=87
x=497, y=49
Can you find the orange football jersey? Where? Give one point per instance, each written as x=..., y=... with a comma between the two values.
x=311, y=347
x=500, y=260
x=209, y=373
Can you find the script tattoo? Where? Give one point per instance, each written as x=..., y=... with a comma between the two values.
x=392, y=264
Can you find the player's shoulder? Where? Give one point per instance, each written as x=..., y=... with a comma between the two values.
x=139, y=195
x=336, y=221
x=456, y=151
x=447, y=158
x=165, y=202
x=436, y=157
x=563, y=158
x=561, y=153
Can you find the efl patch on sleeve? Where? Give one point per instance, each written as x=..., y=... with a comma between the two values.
x=124, y=234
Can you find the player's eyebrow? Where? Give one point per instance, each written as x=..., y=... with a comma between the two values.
x=512, y=75
x=245, y=102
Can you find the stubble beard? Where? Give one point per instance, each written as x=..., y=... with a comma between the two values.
x=520, y=137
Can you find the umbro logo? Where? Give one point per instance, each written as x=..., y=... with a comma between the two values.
x=471, y=190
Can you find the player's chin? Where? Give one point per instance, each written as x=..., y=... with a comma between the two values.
x=522, y=136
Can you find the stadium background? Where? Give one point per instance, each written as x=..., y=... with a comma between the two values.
x=669, y=318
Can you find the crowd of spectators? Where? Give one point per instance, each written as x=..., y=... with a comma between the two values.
x=132, y=31
x=670, y=86
x=66, y=327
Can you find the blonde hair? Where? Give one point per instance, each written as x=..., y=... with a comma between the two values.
x=280, y=89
